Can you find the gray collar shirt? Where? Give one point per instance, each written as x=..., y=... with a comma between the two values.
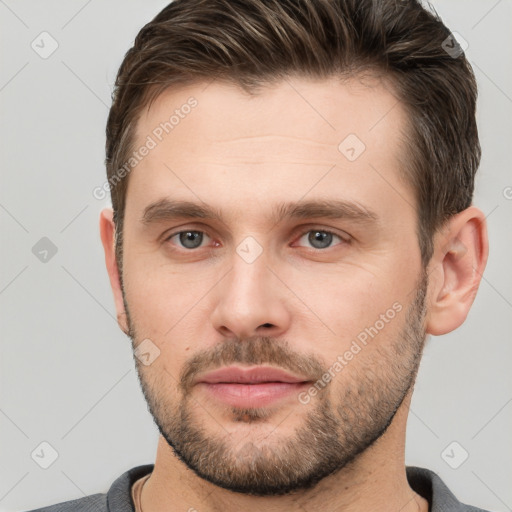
x=118, y=498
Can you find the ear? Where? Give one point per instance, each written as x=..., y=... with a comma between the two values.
x=107, y=232
x=456, y=268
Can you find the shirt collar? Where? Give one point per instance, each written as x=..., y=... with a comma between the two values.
x=423, y=481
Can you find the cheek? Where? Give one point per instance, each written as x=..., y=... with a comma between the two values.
x=161, y=295
x=351, y=303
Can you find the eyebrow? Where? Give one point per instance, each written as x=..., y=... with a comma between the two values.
x=166, y=210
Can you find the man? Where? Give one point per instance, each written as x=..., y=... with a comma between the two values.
x=291, y=185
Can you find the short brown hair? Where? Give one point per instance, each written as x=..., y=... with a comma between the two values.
x=257, y=42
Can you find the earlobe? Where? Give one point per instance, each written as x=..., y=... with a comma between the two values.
x=460, y=256
x=107, y=233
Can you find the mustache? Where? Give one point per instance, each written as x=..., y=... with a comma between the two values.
x=256, y=350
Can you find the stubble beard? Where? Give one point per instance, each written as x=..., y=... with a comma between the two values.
x=339, y=425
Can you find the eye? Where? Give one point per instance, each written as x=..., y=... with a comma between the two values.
x=190, y=239
x=320, y=238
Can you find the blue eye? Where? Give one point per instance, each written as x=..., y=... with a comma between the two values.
x=193, y=239
x=320, y=239
x=189, y=239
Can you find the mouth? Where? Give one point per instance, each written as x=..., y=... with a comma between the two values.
x=256, y=386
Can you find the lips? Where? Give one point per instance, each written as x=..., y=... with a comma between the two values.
x=252, y=375
x=249, y=387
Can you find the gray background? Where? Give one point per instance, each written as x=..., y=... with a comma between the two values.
x=66, y=370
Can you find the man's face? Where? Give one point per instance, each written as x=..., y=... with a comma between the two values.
x=335, y=301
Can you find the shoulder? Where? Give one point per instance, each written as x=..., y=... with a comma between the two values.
x=429, y=485
x=92, y=503
x=117, y=499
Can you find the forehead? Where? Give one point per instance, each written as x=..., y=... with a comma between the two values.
x=218, y=143
x=318, y=110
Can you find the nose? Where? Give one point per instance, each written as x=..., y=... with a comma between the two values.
x=251, y=301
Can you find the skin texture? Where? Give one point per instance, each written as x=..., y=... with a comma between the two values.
x=297, y=306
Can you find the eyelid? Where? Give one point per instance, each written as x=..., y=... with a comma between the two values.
x=183, y=229
x=345, y=237
x=303, y=230
x=167, y=237
x=333, y=231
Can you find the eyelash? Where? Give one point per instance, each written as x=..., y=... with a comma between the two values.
x=343, y=239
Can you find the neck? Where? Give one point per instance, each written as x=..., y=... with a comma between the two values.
x=376, y=480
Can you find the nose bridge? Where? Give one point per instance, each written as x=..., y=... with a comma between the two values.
x=249, y=284
x=249, y=297
x=249, y=267
x=249, y=273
